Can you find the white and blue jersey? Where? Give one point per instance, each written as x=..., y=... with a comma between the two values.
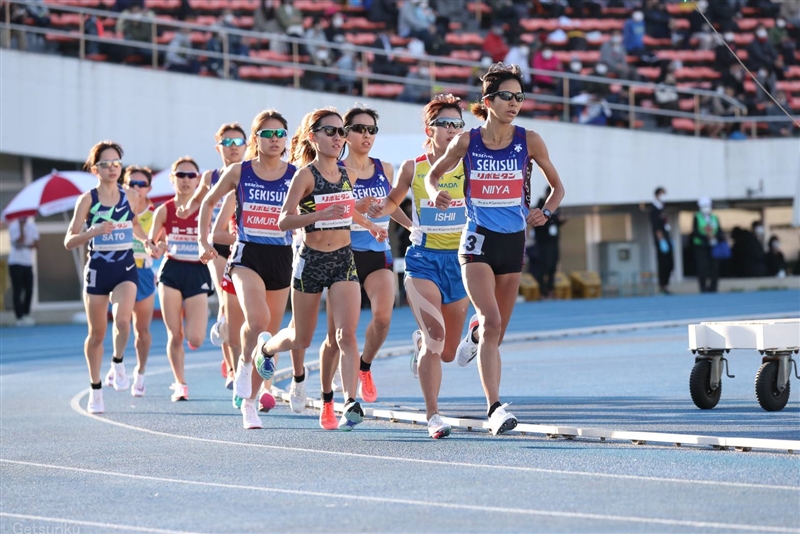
x=258, y=206
x=117, y=245
x=377, y=186
x=496, y=184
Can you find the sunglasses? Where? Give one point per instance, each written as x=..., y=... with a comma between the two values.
x=506, y=96
x=445, y=122
x=361, y=128
x=232, y=141
x=109, y=163
x=330, y=131
x=186, y=174
x=138, y=183
x=280, y=133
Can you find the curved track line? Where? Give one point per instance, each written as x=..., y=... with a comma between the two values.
x=427, y=504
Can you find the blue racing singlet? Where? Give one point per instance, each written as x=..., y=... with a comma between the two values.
x=118, y=245
x=258, y=206
x=496, y=186
x=377, y=186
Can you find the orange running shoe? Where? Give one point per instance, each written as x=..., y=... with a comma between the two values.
x=366, y=389
x=327, y=417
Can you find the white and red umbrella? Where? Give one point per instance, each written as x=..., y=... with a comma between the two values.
x=51, y=194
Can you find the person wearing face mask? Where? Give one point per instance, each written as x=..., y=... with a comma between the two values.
x=576, y=86
x=633, y=34
x=780, y=39
x=774, y=260
x=495, y=45
x=334, y=33
x=779, y=129
x=706, y=233
x=598, y=88
x=612, y=54
x=661, y=235
x=723, y=58
x=545, y=60
x=760, y=52
x=518, y=55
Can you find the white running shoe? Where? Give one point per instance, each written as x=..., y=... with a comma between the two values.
x=467, y=349
x=229, y=381
x=180, y=393
x=137, y=389
x=416, y=339
x=243, y=379
x=297, y=395
x=353, y=415
x=502, y=421
x=95, y=404
x=437, y=428
x=121, y=382
x=337, y=381
x=215, y=335
x=109, y=381
x=250, y=418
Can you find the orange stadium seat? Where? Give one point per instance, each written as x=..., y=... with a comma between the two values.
x=385, y=90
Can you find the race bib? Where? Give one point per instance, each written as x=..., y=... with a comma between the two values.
x=121, y=238
x=261, y=220
x=496, y=189
x=344, y=198
x=471, y=243
x=432, y=220
x=381, y=222
x=183, y=247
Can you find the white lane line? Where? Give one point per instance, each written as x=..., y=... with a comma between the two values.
x=75, y=404
x=427, y=504
x=63, y=520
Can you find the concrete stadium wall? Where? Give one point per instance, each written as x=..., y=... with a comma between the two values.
x=55, y=107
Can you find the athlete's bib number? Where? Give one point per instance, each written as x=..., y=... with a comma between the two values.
x=261, y=220
x=432, y=220
x=183, y=247
x=383, y=223
x=471, y=243
x=345, y=198
x=496, y=189
x=120, y=238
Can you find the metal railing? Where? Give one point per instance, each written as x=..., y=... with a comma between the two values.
x=363, y=73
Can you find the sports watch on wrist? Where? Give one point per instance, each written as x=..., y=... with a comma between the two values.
x=546, y=213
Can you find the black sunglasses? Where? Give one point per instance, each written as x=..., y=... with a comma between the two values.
x=232, y=141
x=330, y=131
x=186, y=174
x=446, y=122
x=138, y=183
x=506, y=96
x=361, y=128
x=280, y=133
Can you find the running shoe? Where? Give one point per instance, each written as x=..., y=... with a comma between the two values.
x=181, y=393
x=216, y=335
x=467, y=349
x=265, y=365
x=121, y=382
x=250, y=418
x=109, y=381
x=297, y=395
x=229, y=380
x=327, y=417
x=266, y=401
x=137, y=389
x=502, y=421
x=437, y=428
x=243, y=379
x=236, y=401
x=223, y=369
x=416, y=339
x=353, y=415
x=337, y=380
x=366, y=387
x=95, y=404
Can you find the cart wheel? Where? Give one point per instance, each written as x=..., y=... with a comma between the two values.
x=703, y=396
x=767, y=392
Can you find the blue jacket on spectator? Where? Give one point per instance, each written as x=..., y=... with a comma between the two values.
x=633, y=35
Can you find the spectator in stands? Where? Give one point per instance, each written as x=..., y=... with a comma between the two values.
x=437, y=46
x=774, y=261
x=347, y=62
x=767, y=8
x=706, y=233
x=598, y=88
x=215, y=43
x=518, y=54
x=663, y=241
x=657, y=20
x=449, y=10
x=386, y=63
x=697, y=22
x=722, y=107
x=612, y=53
x=265, y=21
x=415, y=19
x=591, y=109
x=767, y=78
x=290, y=19
x=334, y=33
x=177, y=59
x=39, y=14
x=585, y=8
x=576, y=37
x=94, y=28
x=734, y=77
x=666, y=97
x=17, y=15
x=633, y=34
x=790, y=10
x=747, y=253
x=779, y=129
x=317, y=41
x=495, y=45
x=549, y=8
x=384, y=11
x=576, y=86
x=722, y=13
x=135, y=24
x=185, y=11
x=504, y=13
x=545, y=59
x=760, y=52
x=723, y=58
x=418, y=85
x=783, y=43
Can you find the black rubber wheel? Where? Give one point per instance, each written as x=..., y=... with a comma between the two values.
x=767, y=392
x=703, y=396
